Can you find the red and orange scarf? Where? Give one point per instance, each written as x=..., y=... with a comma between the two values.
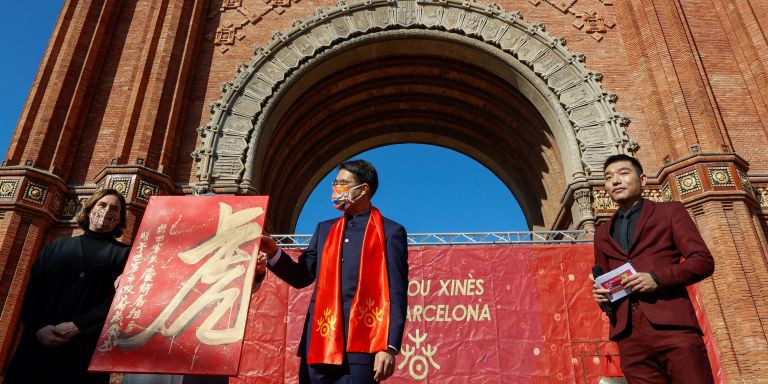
x=369, y=313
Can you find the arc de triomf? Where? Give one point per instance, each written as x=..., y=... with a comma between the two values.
x=265, y=96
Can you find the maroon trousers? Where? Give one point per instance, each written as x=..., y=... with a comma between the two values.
x=657, y=355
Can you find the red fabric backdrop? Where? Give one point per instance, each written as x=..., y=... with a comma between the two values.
x=485, y=314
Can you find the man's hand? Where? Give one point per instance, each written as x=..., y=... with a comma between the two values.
x=48, y=336
x=261, y=264
x=268, y=246
x=67, y=330
x=260, y=272
x=383, y=365
x=641, y=282
x=601, y=295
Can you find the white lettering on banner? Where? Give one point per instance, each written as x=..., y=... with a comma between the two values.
x=417, y=363
x=224, y=265
x=467, y=287
x=419, y=287
x=448, y=312
x=445, y=312
x=451, y=287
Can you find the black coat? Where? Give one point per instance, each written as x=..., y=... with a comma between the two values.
x=304, y=272
x=71, y=280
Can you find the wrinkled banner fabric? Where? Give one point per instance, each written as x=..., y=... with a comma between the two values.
x=480, y=314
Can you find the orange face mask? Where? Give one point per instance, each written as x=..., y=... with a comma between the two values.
x=341, y=196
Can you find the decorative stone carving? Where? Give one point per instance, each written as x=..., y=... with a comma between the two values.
x=583, y=201
x=597, y=129
x=8, y=188
x=688, y=182
x=593, y=23
x=146, y=190
x=602, y=202
x=72, y=205
x=228, y=32
x=744, y=180
x=666, y=192
x=56, y=203
x=120, y=184
x=35, y=193
x=653, y=195
x=225, y=35
x=230, y=4
x=587, y=20
x=720, y=176
x=761, y=194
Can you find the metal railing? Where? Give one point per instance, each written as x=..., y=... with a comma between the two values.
x=468, y=238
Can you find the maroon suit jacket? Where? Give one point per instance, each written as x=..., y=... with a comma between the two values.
x=664, y=235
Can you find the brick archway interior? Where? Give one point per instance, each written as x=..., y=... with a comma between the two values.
x=475, y=79
x=381, y=93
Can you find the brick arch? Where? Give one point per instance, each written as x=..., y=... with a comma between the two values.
x=576, y=126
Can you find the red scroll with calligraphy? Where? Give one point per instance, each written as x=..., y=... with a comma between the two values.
x=182, y=303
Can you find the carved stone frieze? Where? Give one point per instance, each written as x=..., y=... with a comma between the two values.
x=593, y=23
x=602, y=202
x=235, y=15
x=656, y=195
x=8, y=188
x=72, y=206
x=761, y=193
x=688, y=182
x=35, y=193
x=666, y=192
x=120, y=184
x=594, y=127
x=720, y=177
x=744, y=180
x=146, y=190
x=582, y=209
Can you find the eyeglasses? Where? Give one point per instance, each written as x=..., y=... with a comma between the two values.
x=343, y=183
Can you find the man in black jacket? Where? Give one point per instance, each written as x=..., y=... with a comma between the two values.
x=355, y=320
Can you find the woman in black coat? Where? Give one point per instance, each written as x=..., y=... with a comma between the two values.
x=70, y=289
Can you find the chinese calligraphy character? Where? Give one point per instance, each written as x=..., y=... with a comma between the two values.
x=221, y=261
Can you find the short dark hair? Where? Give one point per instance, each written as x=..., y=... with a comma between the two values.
x=622, y=157
x=364, y=172
x=83, y=219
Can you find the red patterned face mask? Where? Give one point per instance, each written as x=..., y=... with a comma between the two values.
x=103, y=220
x=341, y=196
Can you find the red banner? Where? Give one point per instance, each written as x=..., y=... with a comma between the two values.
x=182, y=302
x=481, y=314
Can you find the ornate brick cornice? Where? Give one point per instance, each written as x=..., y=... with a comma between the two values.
x=31, y=190
x=135, y=182
x=38, y=192
x=693, y=180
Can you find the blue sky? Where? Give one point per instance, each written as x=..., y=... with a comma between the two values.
x=440, y=191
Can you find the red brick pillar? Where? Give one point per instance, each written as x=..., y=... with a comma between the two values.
x=23, y=236
x=735, y=296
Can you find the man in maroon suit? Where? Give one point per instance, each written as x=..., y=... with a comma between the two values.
x=655, y=326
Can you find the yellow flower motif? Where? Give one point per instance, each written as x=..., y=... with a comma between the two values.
x=369, y=314
x=326, y=324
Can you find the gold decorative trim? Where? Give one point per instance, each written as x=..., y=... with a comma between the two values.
x=688, y=182
x=8, y=188
x=720, y=176
x=121, y=184
x=35, y=193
